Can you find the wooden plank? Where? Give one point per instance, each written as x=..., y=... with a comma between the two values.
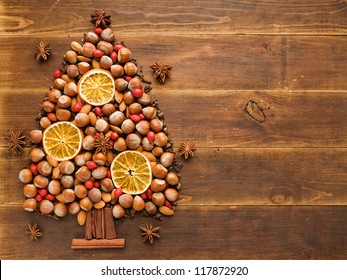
x=221, y=176
x=198, y=232
x=215, y=63
x=219, y=119
x=227, y=17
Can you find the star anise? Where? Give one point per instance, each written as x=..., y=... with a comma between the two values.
x=161, y=71
x=187, y=149
x=15, y=140
x=100, y=18
x=102, y=143
x=42, y=50
x=34, y=232
x=149, y=233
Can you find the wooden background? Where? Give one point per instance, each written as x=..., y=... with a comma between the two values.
x=269, y=189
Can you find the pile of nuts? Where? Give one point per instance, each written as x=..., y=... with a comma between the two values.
x=131, y=121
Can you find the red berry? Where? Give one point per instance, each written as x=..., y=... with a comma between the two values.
x=77, y=107
x=114, y=135
x=137, y=92
x=111, y=143
x=108, y=174
x=57, y=74
x=98, y=53
x=91, y=165
x=43, y=192
x=38, y=197
x=149, y=193
x=96, y=184
x=98, y=111
x=168, y=204
x=118, y=192
x=89, y=184
x=98, y=30
x=128, y=78
x=135, y=118
x=33, y=169
x=97, y=134
x=50, y=197
x=143, y=196
x=151, y=136
x=142, y=116
x=117, y=47
x=114, y=56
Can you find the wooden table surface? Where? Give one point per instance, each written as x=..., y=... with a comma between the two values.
x=269, y=182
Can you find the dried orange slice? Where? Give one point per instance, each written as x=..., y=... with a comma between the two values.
x=96, y=87
x=62, y=140
x=131, y=171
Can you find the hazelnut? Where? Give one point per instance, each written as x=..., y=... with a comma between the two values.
x=157, y=151
x=80, y=191
x=45, y=122
x=159, y=171
x=158, y=185
x=63, y=114
x=40, y=181
x=25, y=176
x=133, y=141
x=145, y=99
x=54, y=187
x=70, y=89
x=99, y=172
x=138, y=203
x=92, y=37
x=44, y=168
x=106, y=185
x=130, y=69
x=86, y=204
x=105, y=62
x=156, y=125
x=36, y=154
x=94, y=194
x=116, y=118
x=88, y=49
x=158, y=198
x=83, y=67
x=128, y=126
x=143, y=127
x=128, y=98
x=90, y=130
x=118, y=211
x=53, y=95
x=146, y=144
x=46, y=207
x=171, y=194
x=71, y=57
x=72, y=71
x=108, y=109
x=120, y=145
x=74, y=208
x=60, y=209
x=99, y=159
x=149, y=112
x=161, y=139
x=120, y=84
x=35, y=136
x=59, y=83
x=172, y=179
x=79, y=159
x=135, y=108
x=83, y=174
x=117, y=70
x=81, y=119
x=64, y=101
x=67, y=181
x=66, y=167
x=101, y=125
x=68, y=195
x=52, y=160
x=124, y=55
x=135, y=83
x=29, y=190
x=150, y=208
x=167, y=159
x=107, y=35
x=88, y=143
x=30, y=204
x=105, y=47
x=126, y=200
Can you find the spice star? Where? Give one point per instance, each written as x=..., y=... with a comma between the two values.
x=187, y=149
x=161, y=71
x=102, y=143
x=100, y=18
x=34, y=232
x=149, y=233
x=42, y=50
x=16, y=141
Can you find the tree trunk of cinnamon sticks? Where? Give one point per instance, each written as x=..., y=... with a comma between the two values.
x=100, y=231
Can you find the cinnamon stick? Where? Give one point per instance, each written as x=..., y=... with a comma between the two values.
x=80, y=243
x=99, y=223
x=89, y=225
x=110, y=226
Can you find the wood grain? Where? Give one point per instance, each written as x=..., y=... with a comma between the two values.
x=180, y=17
x=260, y=88
x=233, y=233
